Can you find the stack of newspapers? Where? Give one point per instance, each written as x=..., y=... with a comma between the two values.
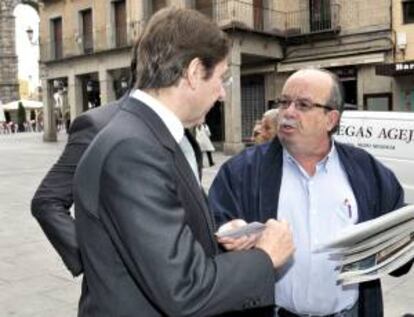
x=371, y=249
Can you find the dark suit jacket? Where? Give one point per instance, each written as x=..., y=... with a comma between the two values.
x=53, y=199
x=146, y=234
x=248, y=185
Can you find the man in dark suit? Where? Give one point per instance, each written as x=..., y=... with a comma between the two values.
x=54, y=197
x=144, y=229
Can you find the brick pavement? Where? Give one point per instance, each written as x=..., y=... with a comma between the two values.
x=33, y=281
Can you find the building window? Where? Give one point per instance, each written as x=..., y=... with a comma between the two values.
x=320, y=15
x=158, y=4
x=252, y=103
x=408, y=11
x=152, y=6
x=204, y=6
x=120, y=23
x=378, y=102
x=406, y=100
x=87, y=30
x=56, y=38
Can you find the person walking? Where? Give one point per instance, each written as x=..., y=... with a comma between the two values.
x=203, y=134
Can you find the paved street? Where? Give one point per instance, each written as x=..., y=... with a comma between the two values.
x=33, y=281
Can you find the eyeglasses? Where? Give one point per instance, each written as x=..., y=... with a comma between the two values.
x=226, y=82
x=302, y=105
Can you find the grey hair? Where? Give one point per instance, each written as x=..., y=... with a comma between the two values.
x=272, y=114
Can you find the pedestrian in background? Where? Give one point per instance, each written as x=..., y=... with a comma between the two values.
x=203, y=134
x=269, y=125
x=265, y=129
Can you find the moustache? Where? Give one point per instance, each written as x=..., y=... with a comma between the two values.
x=288, y=122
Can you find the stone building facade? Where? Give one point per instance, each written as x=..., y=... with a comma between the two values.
x=400, y=67
x=85, y=51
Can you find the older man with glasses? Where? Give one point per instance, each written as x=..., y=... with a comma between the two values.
x=316, y=184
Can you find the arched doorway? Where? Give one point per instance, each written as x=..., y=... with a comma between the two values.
x=9, y=84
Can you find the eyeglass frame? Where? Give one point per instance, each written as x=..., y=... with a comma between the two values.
x=301, y=109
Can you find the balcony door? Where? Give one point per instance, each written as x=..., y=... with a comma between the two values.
x=57, y=47
x=320, y=15
x=120, y=23
x=205, y=7
x=158, y=4
x=87, y=31
x=258, y=14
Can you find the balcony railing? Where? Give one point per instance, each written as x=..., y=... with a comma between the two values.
x=227, y=13
x=244, y=14
x=303, y=22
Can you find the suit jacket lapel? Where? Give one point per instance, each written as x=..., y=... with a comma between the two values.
x=183, y=167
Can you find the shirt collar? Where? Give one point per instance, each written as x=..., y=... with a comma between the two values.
x=172, y=122
x=322, y=164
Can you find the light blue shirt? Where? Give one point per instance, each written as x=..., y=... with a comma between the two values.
x=317, y=207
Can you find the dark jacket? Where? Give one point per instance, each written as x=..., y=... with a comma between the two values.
x=146, y=234
x=53, y=199
x=247, y=186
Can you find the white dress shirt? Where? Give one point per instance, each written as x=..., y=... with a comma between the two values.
x=173, y=125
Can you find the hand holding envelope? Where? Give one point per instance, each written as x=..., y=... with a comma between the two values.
x=274, y=238
x=238, y=235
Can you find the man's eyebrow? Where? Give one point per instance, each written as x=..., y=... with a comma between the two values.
x=226, y=74
x=300, y=98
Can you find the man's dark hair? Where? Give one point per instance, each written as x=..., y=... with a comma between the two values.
x=133, y=66
x=171, y=40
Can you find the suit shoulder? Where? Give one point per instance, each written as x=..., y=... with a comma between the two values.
x=94, y=119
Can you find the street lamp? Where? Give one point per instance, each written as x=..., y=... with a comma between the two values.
x=29, y=32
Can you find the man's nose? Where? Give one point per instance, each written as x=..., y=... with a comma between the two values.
x=222, y=95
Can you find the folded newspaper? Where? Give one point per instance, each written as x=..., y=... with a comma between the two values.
x=374, y=248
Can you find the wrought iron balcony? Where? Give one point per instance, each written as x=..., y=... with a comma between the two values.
x=242, y=14
x=226, y=13
x=304, y=22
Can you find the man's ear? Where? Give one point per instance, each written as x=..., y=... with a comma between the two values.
x=195, y=72
x=333, y=121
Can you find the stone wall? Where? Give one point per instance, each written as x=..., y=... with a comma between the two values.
x=9, y=86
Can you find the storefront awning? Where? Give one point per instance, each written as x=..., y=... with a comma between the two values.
x=395, y=69
x=333, y=62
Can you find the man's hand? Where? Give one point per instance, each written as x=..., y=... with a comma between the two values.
x=277, y=241
x=236, y=244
